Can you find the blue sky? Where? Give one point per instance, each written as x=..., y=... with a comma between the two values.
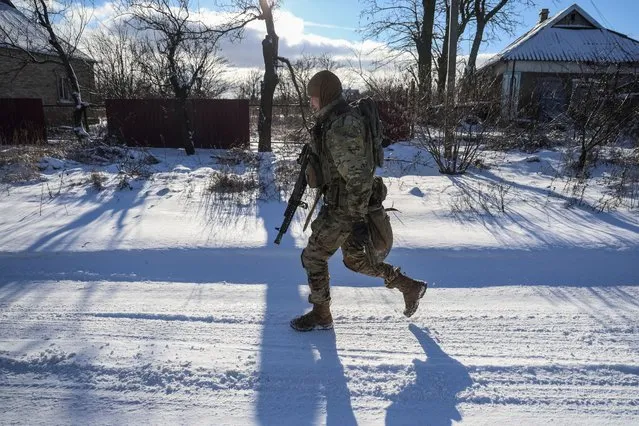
x=619, y=15
x=330, y=26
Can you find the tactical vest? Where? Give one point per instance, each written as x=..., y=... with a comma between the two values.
x=324, y=174
x=327, y=177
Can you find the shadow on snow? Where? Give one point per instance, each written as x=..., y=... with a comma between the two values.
x=432, y=398
x=293, y=381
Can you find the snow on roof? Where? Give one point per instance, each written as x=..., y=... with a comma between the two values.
x=17, y=31
x=551, y=40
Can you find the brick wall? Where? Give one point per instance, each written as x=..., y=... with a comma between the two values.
x=22, y=78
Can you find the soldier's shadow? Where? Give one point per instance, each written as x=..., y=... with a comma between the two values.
x=432, y=398
x=298, y=372
x=332, y=380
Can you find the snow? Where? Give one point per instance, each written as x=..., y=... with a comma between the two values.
x=53, y=163
x=547, y=42
x=583, y=45
x=165, y=303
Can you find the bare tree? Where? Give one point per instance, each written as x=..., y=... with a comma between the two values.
x=249, y=86
x=466, y=15
x=419, y=29
x=214, y=83
x=61, y=27
x=456, y=155
x=385, y=87
x=500, y=14
x=179, y=48
x=407, y=26
x=118, y=72
x=601, y=111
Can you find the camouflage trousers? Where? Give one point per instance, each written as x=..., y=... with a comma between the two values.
x=330, y=232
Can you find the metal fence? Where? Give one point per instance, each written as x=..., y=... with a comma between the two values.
x=22, y=122
x=397, y=118
x=216, y=123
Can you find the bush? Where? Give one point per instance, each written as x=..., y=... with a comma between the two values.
x=229, y=183
x=97, y=180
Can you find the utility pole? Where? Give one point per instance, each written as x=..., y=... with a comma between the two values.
x=449, y=122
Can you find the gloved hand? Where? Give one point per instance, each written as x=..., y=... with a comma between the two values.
x=360, y=233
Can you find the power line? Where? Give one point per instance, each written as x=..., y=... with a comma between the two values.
x=601, y=15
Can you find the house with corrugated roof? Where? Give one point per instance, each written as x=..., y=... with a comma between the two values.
x=538, y=74
x=22, y=41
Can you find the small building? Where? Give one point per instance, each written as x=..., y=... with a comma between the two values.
x=22, y=77
x=536, y=76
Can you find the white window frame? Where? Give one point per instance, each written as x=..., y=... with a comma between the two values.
x=64, y=89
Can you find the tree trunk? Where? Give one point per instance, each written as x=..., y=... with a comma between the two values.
x=474, y=50
x=186, y=133
x=449, y=125
x=581, y=163
x=181, y=93
x=265, y=121
x=269, y=52
x=80, y=107
x=425, y=51
x=42, y=13
x=442, y=61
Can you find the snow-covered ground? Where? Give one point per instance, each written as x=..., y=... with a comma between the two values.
x=162, y=303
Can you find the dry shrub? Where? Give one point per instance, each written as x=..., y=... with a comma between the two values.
x=97, y=180
x=19, y=164
x=230, y=183
x=237, y=156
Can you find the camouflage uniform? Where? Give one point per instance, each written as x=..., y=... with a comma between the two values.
x=339, y=141
x=344, y=172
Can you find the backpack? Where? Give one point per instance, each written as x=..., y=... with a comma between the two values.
x=367, y=108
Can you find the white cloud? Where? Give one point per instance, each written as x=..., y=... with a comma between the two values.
x=296, y=38
x=329, y=26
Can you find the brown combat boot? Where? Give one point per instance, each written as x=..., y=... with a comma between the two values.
x=413, y=291
x=319, y=318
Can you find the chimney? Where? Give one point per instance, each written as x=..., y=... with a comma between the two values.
x=543, y=15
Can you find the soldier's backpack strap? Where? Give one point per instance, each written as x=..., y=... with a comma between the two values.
x=367, y=108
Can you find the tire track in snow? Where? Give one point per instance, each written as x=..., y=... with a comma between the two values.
x=468, y=350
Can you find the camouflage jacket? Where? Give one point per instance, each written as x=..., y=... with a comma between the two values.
x=339, y=139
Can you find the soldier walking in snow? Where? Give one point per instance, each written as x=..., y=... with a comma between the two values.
x=342, y=166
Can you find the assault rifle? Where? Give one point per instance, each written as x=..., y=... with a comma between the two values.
x=295, y=199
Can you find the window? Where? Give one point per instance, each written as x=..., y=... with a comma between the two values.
x=64, y=89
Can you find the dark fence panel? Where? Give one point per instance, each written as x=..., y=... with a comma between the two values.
x=62, y=115
x=22, y=121
x=216, y=123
